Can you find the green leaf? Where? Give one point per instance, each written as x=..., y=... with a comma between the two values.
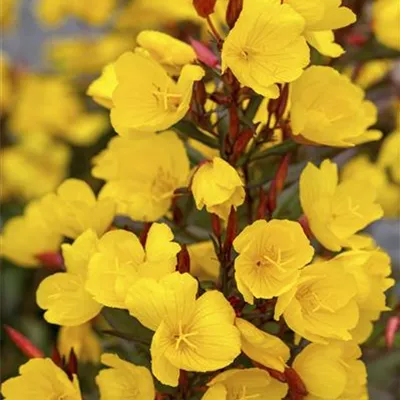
x=253, y=107
x=187, y=129
x=126, y=326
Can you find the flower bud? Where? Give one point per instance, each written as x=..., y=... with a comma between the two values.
x=204, y=7
x=204, y=54
x=296, y=385
x=278, y=183
x=23, y=343
x=231, y=231
x=392, y=326
x=241, y=143
x=183, y=260
x=233, y=11
x=51, y=260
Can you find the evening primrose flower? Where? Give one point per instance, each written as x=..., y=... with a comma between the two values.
x=322, y=305
x=321, y=18
x=41, y=379
x=336, y=211
x=102, y=88
x=82, y=340
x=266, y=46
x=25, y=237
x=271, y=255
x=218, y=186
x=63, y=295
x=121, y=260
x=385, y=22
x=193, y=335
x=124, y=380
x=341, y=119
x=245, y=384
x=146, y=98
x=267, y=350
x=333, y=371
x=145, y=193
x=371, y=270
x=204, y=263
x=171, y=53
x=389, y=155
x=73, y=209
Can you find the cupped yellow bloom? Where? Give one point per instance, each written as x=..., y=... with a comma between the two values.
x=389, y=155
x=322, y=16
x=193, y=335
x=323, y=304
x=341, y=119
x=371, y=270
x=337, y=211
x=63, y=294
x=102, y=88
x=41, y=379
x=268, y=350
x=25, y=237
x=204, y=263
x=33, y=167
x=385, y=22
x=146, y=98
x=145, y=193
x=252, y=383
x=82, y=340
x=124, y=380
x=218, y=186
x=121, y=260
x=73, y=209
x=171, y=53
x=371, y=73
x=332, y=371
x=266, y=46
x=271, y=255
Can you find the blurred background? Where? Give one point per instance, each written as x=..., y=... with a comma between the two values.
x=50, y=130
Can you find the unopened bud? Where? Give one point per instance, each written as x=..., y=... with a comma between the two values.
x=303, y=221
x=183, y=260
x=51, y=260
x=278, y=183
x=262, y=205
x=241, y=143
x=200, y=94
x=234, y=123
x=295, y=383
x=392, y=326
x=233, y=11
x=204, y=7
x=23, y=343
x=231, y=231
x=216, y=225
x=204, y=54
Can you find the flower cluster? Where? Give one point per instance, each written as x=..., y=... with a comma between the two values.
x=224, y=254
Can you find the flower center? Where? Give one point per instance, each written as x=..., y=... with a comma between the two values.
x=163, y=185
x=182, y=338
x=240, y=394
x=169, y=101
x=273, y=258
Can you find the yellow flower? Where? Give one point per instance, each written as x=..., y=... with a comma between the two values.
x=266, y=46
x=121, y=261
x=341, y=119
x=193, y=335
x=50, y=104
x=271, y=255
x=389, y=155
x=322, y=16
x=8, y=14
x=82, y=340
x=25, y=237
x=371, y=72
x=332, y=372
x=171, y=53
x=388, y=194
x=385, y=22
x=102, y=88
x=33, y=167
x=323, y=305
x=96, y=12
x=218, y=186
x=370, y=269
x=337, y=211
x=63, y=294
x=146, y=98
x=204, y=263
x=259, y=346
x=41, y=379
x=245, y=384
x=124, y=380
x=145, y=193
x=74, y=209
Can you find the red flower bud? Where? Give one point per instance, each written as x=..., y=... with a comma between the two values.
x=23, y=343
x=204, y=54
x=183, y=260
x=392, y=326
x=216, y=225
x=233, y=11
x=72, y=367
x=303, y=221
x=241, y=143
x=204, y=7
x=262, y=205
x=296, y=386
x=278, y=183
x=234, y=123
x=51, y=260
x=231, y=231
